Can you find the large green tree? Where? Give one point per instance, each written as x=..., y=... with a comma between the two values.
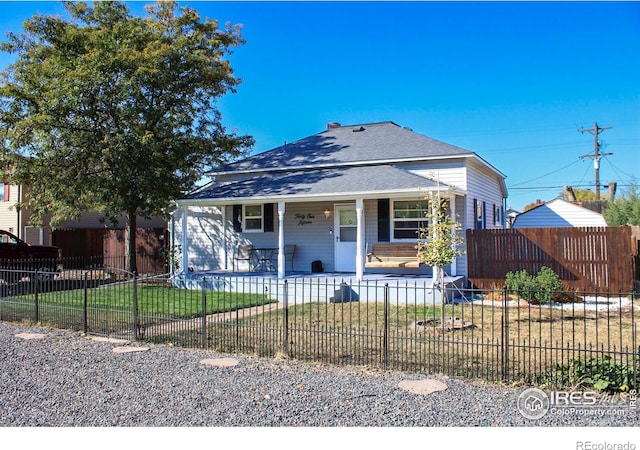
x=111, y=112
x=625, y=210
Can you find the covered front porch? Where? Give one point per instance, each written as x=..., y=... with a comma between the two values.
x=326, y=235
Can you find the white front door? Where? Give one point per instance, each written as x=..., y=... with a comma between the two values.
x=345, y=226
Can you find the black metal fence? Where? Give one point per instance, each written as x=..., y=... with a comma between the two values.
x=575, y=338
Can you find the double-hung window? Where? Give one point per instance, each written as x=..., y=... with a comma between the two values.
x=253, y=218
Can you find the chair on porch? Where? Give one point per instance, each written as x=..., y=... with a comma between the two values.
x=243, y=253
x=289, y=253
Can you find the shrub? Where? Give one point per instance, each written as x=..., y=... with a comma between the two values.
x=541, y=288
x=601, y=374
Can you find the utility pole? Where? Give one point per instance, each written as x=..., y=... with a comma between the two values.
x=596, y=153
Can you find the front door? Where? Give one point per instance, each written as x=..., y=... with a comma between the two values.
x=346, y=231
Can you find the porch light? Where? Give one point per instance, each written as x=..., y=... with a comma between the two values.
x=327, y=213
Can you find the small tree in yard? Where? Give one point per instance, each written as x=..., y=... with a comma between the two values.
x=625, y=210
x=439, y=243
x=113, y=113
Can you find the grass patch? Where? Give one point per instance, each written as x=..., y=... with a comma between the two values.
x=514, y=344
x=153, y=300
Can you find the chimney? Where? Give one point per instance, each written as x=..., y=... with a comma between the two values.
x=331, y=125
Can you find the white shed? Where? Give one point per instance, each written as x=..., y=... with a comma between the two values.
x=559, y=213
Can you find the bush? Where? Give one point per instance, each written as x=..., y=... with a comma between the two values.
x=541, y=288
x=601, y=374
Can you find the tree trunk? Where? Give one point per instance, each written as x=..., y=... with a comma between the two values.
x=130, y=243
x=443, y=294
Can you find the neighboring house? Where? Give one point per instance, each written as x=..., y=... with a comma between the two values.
x=333, y=195
x=16, y=221
x=511, y=215
x=84, y=237
x=558, y=213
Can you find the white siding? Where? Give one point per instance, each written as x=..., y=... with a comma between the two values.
x=8, y=213
x=452, y=173
x=204, y=228
x=483, y=187
x=312, y=235
x=559, y=213
x=304, y=225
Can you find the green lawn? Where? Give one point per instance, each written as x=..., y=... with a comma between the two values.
x=155, y=300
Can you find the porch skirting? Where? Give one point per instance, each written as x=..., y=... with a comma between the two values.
x=325, y=287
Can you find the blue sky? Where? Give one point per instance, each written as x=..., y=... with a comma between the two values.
x=511, y=81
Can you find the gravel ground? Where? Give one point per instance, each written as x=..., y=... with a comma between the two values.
x=67, y=380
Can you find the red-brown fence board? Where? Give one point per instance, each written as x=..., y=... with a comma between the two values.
x=90, y=245
x=602, y=258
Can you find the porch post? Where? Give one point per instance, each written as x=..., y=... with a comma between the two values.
x=452, y=208
x=359, y=239
x=435, y=272
x=281, y=255
x=185, y=242
x=225, y=248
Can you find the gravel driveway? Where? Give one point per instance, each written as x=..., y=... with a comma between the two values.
x=59, y=378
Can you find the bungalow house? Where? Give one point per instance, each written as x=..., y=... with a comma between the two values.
x=334, y=195
x=558, y=213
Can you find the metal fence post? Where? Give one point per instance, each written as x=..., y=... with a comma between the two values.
x=504, y=347
x=136, y=325
x=285, y=324
x=385, y=332
x=85, y=306
x=37, y=306
x=203, y=342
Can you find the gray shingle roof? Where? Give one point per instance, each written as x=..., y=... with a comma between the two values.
x=346, y=180
x=384, y=141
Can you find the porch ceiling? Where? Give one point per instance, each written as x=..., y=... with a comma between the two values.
x=365, y=181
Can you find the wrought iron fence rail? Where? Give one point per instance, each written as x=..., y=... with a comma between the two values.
x=399, y=327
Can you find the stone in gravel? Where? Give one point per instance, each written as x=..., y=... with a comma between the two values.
x=220, y=362
x=31, y=335
x=129, y=349
x=105, y=339
x=422, y=387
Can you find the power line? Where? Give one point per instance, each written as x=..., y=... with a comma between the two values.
x=546, y=188
x=617, y=169
x=546, y=174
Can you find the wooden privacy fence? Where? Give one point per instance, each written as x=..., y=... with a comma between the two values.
x=593, y=258
x=107, y=246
